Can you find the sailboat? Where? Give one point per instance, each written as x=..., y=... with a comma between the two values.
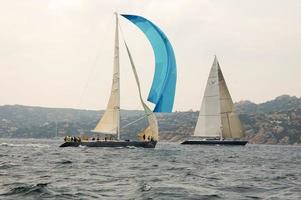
x=110, y=121
x=217, y=124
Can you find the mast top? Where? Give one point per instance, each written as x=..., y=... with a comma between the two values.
x=116, y=15
x=215, y=60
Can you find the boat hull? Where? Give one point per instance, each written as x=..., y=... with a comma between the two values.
x=121, y=143
x=215, y=142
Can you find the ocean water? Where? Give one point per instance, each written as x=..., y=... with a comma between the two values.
x=38, y=169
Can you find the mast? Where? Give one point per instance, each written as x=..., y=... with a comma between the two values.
x=116, y=62
x=229, y=125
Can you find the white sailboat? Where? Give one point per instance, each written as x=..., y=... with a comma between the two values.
x=217, y=122
x=110, y=121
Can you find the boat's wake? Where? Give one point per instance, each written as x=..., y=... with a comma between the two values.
x=131, y=147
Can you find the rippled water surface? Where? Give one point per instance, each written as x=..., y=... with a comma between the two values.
x=38, y=169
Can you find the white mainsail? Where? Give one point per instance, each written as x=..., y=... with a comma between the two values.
x=217, y=117
x=151, y=131
x=110, y=121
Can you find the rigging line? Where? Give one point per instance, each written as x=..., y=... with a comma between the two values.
x=125, y=126
x=134, y=121
x=121, y=31
x=124, y=40
x=125, y=43
x=91, y=71
x=93, y=67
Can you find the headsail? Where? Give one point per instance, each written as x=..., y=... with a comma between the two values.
x=164, y=83
x=217, y=117
x=110, y=121
x=152, y=130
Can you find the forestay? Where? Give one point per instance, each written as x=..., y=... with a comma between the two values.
x=152, y=130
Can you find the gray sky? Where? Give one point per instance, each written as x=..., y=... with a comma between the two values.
x=59, y=53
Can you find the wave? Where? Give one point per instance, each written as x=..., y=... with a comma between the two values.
x=146, y=187
x=7, y=165
x=27, y=190
x=63, y=162
x=125, y=147
x=34, y=145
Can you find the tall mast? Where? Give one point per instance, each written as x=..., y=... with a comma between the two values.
x=117, y=68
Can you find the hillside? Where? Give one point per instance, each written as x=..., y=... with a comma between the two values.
x=279, y=104
x=274, y=122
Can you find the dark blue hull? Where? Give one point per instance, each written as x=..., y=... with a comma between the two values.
x=215, y=142
x=117, y=143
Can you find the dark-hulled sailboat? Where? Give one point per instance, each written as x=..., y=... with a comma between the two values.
x=217, y=123
x=166, y=71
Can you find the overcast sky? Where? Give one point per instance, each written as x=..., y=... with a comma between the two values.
x=59, y=53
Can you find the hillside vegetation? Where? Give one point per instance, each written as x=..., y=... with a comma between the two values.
x=274, y=122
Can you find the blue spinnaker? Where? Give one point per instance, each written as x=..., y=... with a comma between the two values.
x=163, y=88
